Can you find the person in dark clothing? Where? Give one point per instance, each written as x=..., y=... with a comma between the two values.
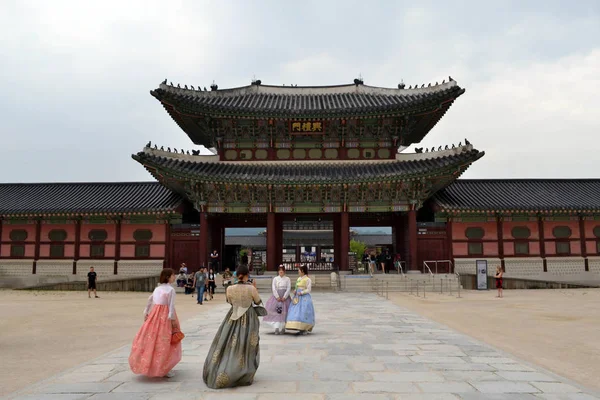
x=92, y=278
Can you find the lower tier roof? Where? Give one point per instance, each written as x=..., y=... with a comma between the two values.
x=32, y=199
x=308, y=172
x=516, y=195
x=494, y=195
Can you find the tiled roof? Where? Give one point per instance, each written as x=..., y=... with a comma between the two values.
x=521, y=195
x=307, y=172
x=85, y=198
x=298, y=102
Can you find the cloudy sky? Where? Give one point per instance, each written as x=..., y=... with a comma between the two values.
x=76, y=75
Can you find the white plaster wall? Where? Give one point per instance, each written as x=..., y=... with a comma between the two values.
x=16, y=267
x=104, y=268
x=561, y=266
x=54, y=267
x=530, y=267
x=466, y=266
x=594, y=264
x=139, y=267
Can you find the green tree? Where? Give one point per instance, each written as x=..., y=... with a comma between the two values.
x=357, y=247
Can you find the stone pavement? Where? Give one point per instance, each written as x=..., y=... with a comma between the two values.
x=363, y=347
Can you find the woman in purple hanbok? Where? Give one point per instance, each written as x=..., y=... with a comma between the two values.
x=278, y=304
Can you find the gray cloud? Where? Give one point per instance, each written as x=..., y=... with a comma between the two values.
x=76, y=75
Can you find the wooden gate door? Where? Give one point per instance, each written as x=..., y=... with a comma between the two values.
x=433, y=249
x=187, y=251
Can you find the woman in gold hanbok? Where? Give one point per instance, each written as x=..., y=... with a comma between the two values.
x=234, y=355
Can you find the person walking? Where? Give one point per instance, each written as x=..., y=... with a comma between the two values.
x=234, y=355
x=200, y=283
x=92, y=278
x=211, y=283
x=154, y=353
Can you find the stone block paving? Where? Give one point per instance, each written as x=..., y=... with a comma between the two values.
x=363, y=347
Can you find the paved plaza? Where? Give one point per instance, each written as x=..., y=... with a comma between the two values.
x=362, y=347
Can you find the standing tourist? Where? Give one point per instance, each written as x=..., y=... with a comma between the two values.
x=211, y=283
x=200, y=283
x=153, y=354
x=278, y=304
x=227, y=276
x=92, y=278
x=499, y=274
x=301, y=314
x=214, y=260
x=233, y=357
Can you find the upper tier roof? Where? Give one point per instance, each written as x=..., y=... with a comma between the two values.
x=310, y=102
x=521, y=195
x=406, y=166
x=30, y=199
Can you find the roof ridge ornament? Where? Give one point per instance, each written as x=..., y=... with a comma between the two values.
x=214, y=86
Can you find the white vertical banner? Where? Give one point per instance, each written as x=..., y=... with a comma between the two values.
x=482, y=278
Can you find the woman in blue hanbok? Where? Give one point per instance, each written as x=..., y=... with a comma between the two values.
x=301, y=314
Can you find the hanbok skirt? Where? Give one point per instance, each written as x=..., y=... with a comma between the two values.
x=301, y=316
x=152, y=353
x=276, y=320
x=234, y=355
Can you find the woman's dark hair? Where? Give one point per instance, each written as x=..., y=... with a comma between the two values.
x=242, y=270
x=281, y=267
x=165, y=274
x=304, y=269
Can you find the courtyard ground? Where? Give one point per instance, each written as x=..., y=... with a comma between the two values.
x=44, y=333
x=363, y=347
x=555, y=329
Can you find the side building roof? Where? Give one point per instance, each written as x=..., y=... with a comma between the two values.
x=40, y=199
x=520, y=195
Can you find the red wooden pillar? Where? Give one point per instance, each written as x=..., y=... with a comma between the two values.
x=412, y=240
x=500, y=233
x=449, y=242
x=582, y=241
x=0, y=237
x=216, y=233
x=542, y=242
x=344, y=240
x=279, y=241
x=167, y=263
x=38, y=233
x=272, y=245
x=77, y=244
x=118, y=245
x=318, y=253
x=298, y=250
x=336, y=240
x=203, y=239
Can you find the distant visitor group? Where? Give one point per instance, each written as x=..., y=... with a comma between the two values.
x=233, y=357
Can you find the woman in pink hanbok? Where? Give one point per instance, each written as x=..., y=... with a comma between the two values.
x=152, y=353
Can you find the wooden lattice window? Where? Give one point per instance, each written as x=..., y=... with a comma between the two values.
x=142, y=242
x=18, y=235
x=474, y=233
x=57, y=247
x=563, y=247
x=521, y=248
x=17, y=249
x=561, y=232
x=97, y=237
x=521, y=232
x=475, y=249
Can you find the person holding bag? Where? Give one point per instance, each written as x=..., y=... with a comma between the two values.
x=234, y=355
x=156, y=349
